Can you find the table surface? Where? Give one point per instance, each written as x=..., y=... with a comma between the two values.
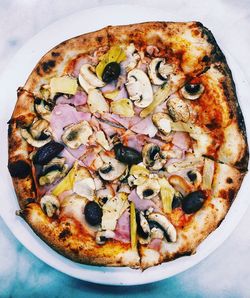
x=225, y=273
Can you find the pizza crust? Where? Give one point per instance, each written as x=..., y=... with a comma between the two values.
x=70, y=239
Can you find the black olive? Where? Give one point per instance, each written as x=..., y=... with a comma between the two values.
x=177, y=200
x=192, y=175
x=43, y=136
x=193, y=202
x=47, y=152
x=140, y=231
x=192, y=88
x=19, y=169
x=153, y=151
x=127, y=155
x=111, y=72
x=147, y=192
x=93, y=213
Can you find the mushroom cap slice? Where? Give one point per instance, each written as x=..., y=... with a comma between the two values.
x=36, y=143
x=87, y=71
x=50, y=204
x=178, y=109
x=112, y=168
x=149, y=189
x=192, y=91
x=139, y=88
x=165, y=224
x=77, y=134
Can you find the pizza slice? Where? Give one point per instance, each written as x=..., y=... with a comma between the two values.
x=191, y=204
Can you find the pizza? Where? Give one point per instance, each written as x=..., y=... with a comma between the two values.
x=127, y=146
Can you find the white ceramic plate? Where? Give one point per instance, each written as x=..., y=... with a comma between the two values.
x=15, y=75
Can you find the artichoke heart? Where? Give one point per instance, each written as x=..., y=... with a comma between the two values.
x=159, y=97
x=67, y=182
x=167, y=194
x=115, y=54
x=123, y=107
x=66, y=85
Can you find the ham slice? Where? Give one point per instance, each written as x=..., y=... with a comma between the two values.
x=63, y=115
x=79, y=99
x=122, y=231
x=134, y=141
x=127, y=122
x=141, y=205
x=145, y=127
x=181, y=140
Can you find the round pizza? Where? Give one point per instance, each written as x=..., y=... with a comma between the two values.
x=127, y=146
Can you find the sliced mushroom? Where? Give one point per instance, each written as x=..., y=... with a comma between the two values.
x=192, y=91
x=162, y=122
x=54, y=170
x=152, y=157
x=96, y=102
x=180, y=184
x=43, y=108
x=165, y=225
x=159, y=71
x=77, y=134
x=42, y=137
x=132, y=58
x=112, y=168
x=149, y=189
x=143, y=228
x=178, y=109
x=103, y=236
x=195, y=177
x=50, y=205
x=139, y=88
x=87, y=72
x=40, y=130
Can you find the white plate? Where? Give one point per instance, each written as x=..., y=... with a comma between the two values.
x=16, y=74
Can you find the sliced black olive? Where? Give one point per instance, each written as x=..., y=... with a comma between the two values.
x=47, y=152
x=192, y=175
x=193, y=202
x=43, y=136
x=127, y=155
x=192, y=88
x=19, y=169
x=177, y=200
x=93, y=213
x=111, y=72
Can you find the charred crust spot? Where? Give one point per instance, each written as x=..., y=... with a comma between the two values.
x=183, y=254
x=229, y=180
x=55, y=54
x=213, y=125
x=47, y=66
x=75, y=251
x=38, y=70
x=19, y=169
x=99, y=38
x=30, y=200
x=64, y=234
x=10, y=129
x=205, y=59
x=231, y=195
